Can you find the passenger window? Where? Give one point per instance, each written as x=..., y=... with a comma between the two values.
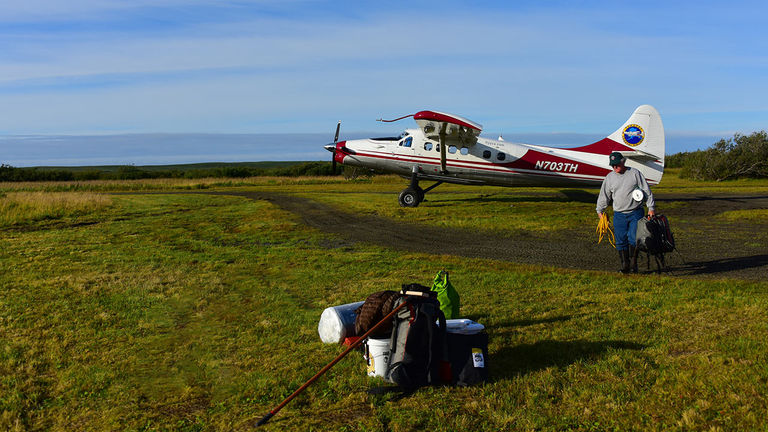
x=437, y=146
x=501, y=156
x=407, y=142
x=452, y=149
x=427, y=146
x=487, y=154
x=465, y=151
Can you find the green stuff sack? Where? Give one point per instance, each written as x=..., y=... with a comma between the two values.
x=447, y=295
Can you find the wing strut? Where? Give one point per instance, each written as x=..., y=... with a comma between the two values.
x=443, y=170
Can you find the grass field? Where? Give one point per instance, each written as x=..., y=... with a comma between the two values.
x=196, y=312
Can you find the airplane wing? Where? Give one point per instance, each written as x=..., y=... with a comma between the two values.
x=448, y=127
x=639, y=155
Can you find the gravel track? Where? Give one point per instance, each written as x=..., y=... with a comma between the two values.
x=741, y=251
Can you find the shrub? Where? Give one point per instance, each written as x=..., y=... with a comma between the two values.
x=676, y=160
x=737, y=157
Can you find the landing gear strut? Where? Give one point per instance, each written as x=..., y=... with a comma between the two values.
x=413, y=195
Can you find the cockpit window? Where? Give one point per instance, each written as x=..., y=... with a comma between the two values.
x=464, y=151
x=408, y=141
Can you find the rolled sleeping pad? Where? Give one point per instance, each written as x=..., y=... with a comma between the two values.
x=338, y=322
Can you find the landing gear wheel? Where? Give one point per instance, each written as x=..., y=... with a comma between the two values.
x=410, y=198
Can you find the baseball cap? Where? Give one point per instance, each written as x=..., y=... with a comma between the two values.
x=616, y=159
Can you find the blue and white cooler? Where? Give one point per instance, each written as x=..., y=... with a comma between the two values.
x=467, y=351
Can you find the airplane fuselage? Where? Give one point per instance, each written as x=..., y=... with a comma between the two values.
x=467, y=158
x=491, y=162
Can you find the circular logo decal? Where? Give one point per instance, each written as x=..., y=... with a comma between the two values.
x=633, y=135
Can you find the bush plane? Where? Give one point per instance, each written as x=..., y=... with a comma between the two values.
x=447, y=148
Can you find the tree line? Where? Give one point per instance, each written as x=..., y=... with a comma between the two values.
x=743, y=156
x=131, y=172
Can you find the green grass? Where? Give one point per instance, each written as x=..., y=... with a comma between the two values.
x=196, y=312
x=25, y=208
x=756, y=215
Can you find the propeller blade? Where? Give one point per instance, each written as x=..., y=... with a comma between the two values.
x=336, y=137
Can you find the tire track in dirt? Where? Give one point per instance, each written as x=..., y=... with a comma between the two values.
x=571, y=249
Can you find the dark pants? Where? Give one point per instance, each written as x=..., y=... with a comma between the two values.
x=625, y=227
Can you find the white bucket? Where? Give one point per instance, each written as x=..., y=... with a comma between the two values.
x=377, y=355
x=338, y=322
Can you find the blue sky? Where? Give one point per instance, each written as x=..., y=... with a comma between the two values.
x=88, y=67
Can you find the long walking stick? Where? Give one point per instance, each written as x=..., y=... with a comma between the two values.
x=330, y=365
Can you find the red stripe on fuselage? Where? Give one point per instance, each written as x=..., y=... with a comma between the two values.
x=604, y=146
x=535, y=160
x=524, y=165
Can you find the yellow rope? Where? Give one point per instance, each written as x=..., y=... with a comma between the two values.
x=604, y=230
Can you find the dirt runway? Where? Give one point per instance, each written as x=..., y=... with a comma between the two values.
x=709, y=247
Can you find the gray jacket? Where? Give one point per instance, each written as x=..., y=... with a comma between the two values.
x=617, y=190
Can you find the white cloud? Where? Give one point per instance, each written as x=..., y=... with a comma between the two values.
x=524, y=69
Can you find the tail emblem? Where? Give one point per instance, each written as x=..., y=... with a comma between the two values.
x=633, y=135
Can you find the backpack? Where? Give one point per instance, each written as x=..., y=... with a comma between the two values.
x=654, y=237
x=375, y=308
x=667, y=240
x=447, y=295
x=418, y=349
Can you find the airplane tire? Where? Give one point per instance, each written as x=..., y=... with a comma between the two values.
x=409, y=198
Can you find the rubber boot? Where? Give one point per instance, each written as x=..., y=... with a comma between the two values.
x=633, y=259
x=624, y=257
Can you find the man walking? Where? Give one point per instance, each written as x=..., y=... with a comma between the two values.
x=625, y=188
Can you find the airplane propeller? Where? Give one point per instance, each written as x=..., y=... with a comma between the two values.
x=332, y=148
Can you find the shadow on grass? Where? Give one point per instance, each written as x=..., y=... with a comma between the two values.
x=527, y=358
x=723, y=265
x=712, y=198
x=579, y=195
x=519, y=323
x=567, y=195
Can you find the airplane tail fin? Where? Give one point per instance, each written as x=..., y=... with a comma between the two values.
x=641, y=140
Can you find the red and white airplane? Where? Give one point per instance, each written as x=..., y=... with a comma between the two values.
x=447, y=148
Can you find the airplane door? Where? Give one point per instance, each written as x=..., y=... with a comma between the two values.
x=404, y=151
x=407, y=146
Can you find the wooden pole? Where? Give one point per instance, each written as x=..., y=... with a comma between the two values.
x=330, y=365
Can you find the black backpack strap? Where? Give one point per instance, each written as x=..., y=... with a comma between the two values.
x=431, y=334
x=445, y=361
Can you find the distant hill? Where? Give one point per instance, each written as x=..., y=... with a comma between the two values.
x=176, y=167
